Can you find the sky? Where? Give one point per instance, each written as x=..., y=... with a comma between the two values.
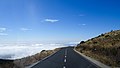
x=57, y=20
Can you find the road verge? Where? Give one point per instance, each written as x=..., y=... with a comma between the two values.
x=101, y=65
x=41, y=60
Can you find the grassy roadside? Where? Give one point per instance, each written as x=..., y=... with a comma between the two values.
x=104, y=48
x=26, y=61
x=23, y=62
x=6, y=63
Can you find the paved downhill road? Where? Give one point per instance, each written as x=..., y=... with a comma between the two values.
x=65, y=58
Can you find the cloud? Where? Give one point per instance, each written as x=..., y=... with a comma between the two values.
x=81, y=24
x=19, y=50
x=73, y=42
x=25, y=29
x=3, y=29
x=3, y=34
x=51, y=20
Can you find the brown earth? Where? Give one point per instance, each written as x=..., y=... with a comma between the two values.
x=26, y=61
x=104, y=48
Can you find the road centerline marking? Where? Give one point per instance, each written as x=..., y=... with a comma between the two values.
x=65, y=52
x=64, y=67
x=65, y=56
x=65, y=60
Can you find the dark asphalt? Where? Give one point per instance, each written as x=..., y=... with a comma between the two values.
x=65, y=58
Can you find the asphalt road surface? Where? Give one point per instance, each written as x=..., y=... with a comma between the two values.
x=65, y=58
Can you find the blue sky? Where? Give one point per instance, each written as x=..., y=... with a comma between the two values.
x=57, y=20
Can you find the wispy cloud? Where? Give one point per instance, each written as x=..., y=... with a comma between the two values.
x=3, y=29
x=81, y=24
x=3, y=34
x=50, y=20
x=25, y=29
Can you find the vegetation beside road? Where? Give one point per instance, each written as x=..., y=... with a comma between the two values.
x=104, y=48
x=26, y=61
x=6, y=63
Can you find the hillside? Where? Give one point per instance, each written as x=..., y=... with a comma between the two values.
x=26, y=61
x=22, y=63
x=104, y=48
x=6, y=63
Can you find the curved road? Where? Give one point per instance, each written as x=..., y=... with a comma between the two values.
x=65, y=58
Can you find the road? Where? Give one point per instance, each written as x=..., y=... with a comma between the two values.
x=65, y=58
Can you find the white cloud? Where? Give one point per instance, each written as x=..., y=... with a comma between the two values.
x=81, y=24
x=3, y=29
x=25, y=29
x=3, y=34
x=17, y=51
x=51, y=20
x=55, y=44
x=74, y=42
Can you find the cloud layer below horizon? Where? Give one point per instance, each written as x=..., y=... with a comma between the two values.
x=16, y=51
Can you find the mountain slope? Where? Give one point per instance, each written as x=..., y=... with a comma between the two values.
x=23, y=62
x=6, y=63
x=104, y=48
x=26, y=61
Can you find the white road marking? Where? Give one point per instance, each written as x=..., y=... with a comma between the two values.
x=64, y=67
x=65, y=56
x=66, y=52
x=65, y=60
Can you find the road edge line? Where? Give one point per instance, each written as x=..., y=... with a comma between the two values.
x=101, y=65
x=41, y=60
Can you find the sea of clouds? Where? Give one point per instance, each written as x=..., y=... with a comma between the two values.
x=20, y=50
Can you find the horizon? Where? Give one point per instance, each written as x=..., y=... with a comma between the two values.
x=59, y=33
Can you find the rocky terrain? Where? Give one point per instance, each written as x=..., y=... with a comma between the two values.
x=104, y=48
